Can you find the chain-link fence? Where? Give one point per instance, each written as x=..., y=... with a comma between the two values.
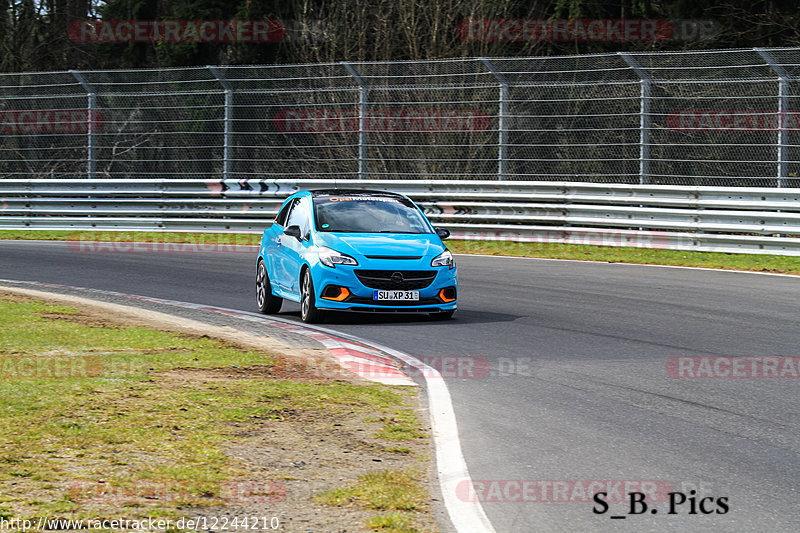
x=676, y=118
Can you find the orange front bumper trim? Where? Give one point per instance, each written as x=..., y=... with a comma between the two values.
x=444, y=298
x=343, y=294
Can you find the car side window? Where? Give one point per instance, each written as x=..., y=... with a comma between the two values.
x=281, y=218
x=299, y=216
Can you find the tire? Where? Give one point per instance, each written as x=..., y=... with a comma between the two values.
x=443, y=315
x=267, y=303
x=308, y=301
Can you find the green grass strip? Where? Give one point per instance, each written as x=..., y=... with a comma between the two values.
x=95, y=417
x=754, y=262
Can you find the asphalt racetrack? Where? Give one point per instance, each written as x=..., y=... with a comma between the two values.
x=581, y=384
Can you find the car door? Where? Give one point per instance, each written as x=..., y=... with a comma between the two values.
x=273, y=246
x=293, y=251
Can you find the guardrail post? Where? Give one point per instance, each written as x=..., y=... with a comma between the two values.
x=91, y=159
x=783, y=107
x=363, y=116
x=644, y=118
x=502, y=120
x=227, y=132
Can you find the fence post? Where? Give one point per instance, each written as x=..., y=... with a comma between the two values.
x=363, y=116
x=227, y=132
x=644, y=118
x=91, y=159
x=502, y=120
x=783, y=107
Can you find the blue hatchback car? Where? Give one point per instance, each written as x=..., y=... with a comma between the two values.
x=355, y=250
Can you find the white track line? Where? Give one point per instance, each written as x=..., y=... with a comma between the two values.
x=622, y=263
x=356, y=357
x=466, y=516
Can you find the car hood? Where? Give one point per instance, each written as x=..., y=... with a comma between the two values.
x=384, y=244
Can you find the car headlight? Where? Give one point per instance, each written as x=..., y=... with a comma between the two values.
x=444, y=259
x=332, y=258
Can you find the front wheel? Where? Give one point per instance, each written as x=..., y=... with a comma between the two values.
x=268, y=303
x=308, y=302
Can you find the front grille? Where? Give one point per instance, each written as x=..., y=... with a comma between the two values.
x=395, y=257
x=382, y=279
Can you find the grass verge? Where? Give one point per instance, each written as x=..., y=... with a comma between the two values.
x=102, y=421
x=397, y=492
x=754, y=262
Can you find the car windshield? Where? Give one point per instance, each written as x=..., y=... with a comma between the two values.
x=362, y=213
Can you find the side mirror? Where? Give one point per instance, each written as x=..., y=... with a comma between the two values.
x=293, y=231
x=443, y=233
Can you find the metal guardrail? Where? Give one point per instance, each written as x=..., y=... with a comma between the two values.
x=737, y=219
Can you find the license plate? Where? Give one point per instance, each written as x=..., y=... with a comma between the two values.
x=407, y=296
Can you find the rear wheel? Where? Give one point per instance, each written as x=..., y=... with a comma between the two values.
x=308, y=302
x=442, y=315
x=267, y=302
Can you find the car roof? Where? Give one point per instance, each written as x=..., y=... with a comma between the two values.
x=355, y=192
